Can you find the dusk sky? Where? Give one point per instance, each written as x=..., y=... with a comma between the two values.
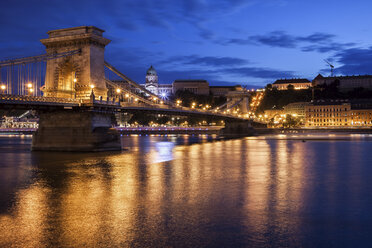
x=247, y=42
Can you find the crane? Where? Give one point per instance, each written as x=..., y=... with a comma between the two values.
x=330, y=65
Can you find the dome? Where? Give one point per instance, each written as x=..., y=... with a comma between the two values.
x=151, y=71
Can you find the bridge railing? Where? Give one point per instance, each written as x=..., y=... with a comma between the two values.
x=38, y=99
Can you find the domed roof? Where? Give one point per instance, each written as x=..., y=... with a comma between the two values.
x=151, y=71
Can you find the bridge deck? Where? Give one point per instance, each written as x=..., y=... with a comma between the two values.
x=40, y=102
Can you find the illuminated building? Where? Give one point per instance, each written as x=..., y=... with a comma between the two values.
x=338, y=113
x=296, y=109
x=297, y=83
x=198, y=87
x=273, y=113
x=152, y=84
x=346, y=83
x=15, y=122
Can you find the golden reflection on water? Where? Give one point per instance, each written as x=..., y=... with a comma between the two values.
x=143, y=193
x=27, y=225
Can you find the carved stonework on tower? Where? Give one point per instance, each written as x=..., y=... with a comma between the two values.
x=73, y=76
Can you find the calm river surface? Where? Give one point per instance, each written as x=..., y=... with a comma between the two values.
x=181, y=191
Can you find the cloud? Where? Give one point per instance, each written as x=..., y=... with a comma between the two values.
x=259, y=72
x=354, y=61
x=276, y=39
x=325, y=48
x=319, y=42
x=317, y=37
x=210, y=61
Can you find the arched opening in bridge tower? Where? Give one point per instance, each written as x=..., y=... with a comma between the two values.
x=67, y=79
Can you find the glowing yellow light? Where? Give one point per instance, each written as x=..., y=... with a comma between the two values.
x=161, y=102
x=92, y=86
x=75, y=80
x=136, y=99
x=31, y=90
x=118, y=90
x=127, y=95
x=29, y=85
x=3, y=87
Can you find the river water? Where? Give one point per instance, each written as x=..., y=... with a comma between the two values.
x=190, y=191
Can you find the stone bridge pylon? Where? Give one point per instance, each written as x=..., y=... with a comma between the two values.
x=75, y=75
x=80, y=128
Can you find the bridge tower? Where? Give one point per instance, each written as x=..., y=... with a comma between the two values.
x=238, y=99
x=75, y=75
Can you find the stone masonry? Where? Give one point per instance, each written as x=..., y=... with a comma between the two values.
x=87, y=68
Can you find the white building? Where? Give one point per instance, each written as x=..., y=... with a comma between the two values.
x=152, y=84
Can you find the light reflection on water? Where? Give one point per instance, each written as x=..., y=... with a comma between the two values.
x=181, y=191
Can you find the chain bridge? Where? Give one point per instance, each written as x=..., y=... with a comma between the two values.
x=72, y=88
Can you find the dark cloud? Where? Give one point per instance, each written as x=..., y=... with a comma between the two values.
x=354, y=61
x=317, y=38
x=319, y=42
x=259, y=72
x=324, y=48
x=276, y=39
x=205, y=61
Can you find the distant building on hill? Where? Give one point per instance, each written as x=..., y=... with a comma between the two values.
x=297, y=83
x=346, y=83
x=223, y=90
x=196, y=86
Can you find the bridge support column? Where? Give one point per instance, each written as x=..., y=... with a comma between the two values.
x=68, y=130
x=237, y=128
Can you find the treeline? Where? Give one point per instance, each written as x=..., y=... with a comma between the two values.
x=277, y=99
x=188, y=98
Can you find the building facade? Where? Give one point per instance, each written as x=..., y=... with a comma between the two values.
x=198, y=87
x=298, y=83
x=152, y=84
x=152, y=81
x=338, y=113
x=296, y=109
x=346, y=83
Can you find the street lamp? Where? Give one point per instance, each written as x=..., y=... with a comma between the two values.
x=74, y=80
x=30, y=89
x=3, y=88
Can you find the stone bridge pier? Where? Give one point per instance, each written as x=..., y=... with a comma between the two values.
x=237, y=128
x=76, y=130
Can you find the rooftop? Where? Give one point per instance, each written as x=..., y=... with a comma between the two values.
x=292, y=81
x=320, y=76
x=190, y=80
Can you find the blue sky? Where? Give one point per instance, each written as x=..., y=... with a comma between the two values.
x=248, y=42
